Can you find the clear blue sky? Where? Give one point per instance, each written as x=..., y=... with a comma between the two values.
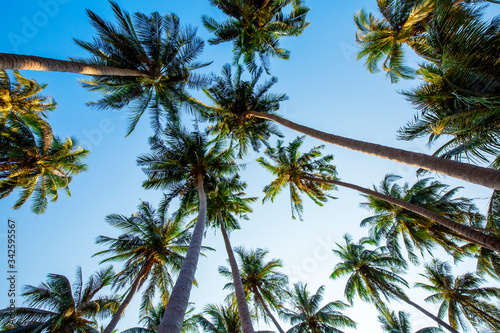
x=328, y=90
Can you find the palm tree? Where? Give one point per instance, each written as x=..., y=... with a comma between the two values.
x=37, y=162
x=181, y=163
x=152, y=247
x=373, y=273
x=222, y=319
x=291, y=167
x=400, y=323
x=255, y=27
x=154, y=44
x=261, y=279
x=58, y=306
x=233, y=111
x=308, y=316
x=20, y=98
x=416, y=232
x=152, y=319
x=461, y=297
x=311, y=173
x=382, y=40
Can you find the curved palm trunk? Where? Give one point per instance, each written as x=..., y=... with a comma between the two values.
x=175, y=310
x=34, y=63
x=470, y=173
x=268, y=311
x=121, y=309
x=470, y=234
x=244, y=312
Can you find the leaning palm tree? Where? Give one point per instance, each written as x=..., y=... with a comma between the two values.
x=261, y=279
x=181, y=162
x=58, y=306
x=20, y=98
x=311, y=173
x=152, y=247
x=400, y=323
x=234, y=110
x=308, y=316
x=36, y=162
x=256, y=26
x=152, y=318
x=461, y=297
x=373, y=274
x=397, y=225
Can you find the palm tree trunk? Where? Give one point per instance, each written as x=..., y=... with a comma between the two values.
x=470, y=234
x=121, y=310
x=470, y=173
x=179, y=299
x=33, y=63
x=427, y=313
x=244, y=312
x=268, y=311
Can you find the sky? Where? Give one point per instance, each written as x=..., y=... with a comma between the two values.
x=328, y=90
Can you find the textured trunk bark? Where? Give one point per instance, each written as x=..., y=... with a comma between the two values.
x=268, y=311
x=427, y=313
x=179, y=299
x=470, y=234
x=33, y=63
x=121, y=310
x=244, y=312
x=470, y=173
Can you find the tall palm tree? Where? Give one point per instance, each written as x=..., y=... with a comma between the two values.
x=256, y=26
x=35, y=161
x=154, y=44
x=151, y=320
x=21, y=98
x=398, y=225
x=400, y=323
x=152, y=247
x=382, y=40
x=308, y=316
x=58, y=306
x=461, y=297
x=234, y=110
x=181, y=162
x=373, y=274
x=311, y=173
x=261, y=279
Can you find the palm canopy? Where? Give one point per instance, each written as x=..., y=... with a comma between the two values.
x=58, y=306
x=256, y=26
x=372, y=273
x=221, y=319
x=382, y=40
x=38, y=163
x=152, y=247
x=260, y=278
x=461, y=297
x=232, y=97
x=291, y=167
x=20, y=98
x=155, y=44
x=307, y=314
x=459, y=96
x=400, y=323
x=397, y=225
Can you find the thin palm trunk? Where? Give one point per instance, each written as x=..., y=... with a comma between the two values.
x=244, y=312
x=470, y=173
x=121, y=309
x=470, y=234
x=34, y=63
x=179, y=299
x=261, y=300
